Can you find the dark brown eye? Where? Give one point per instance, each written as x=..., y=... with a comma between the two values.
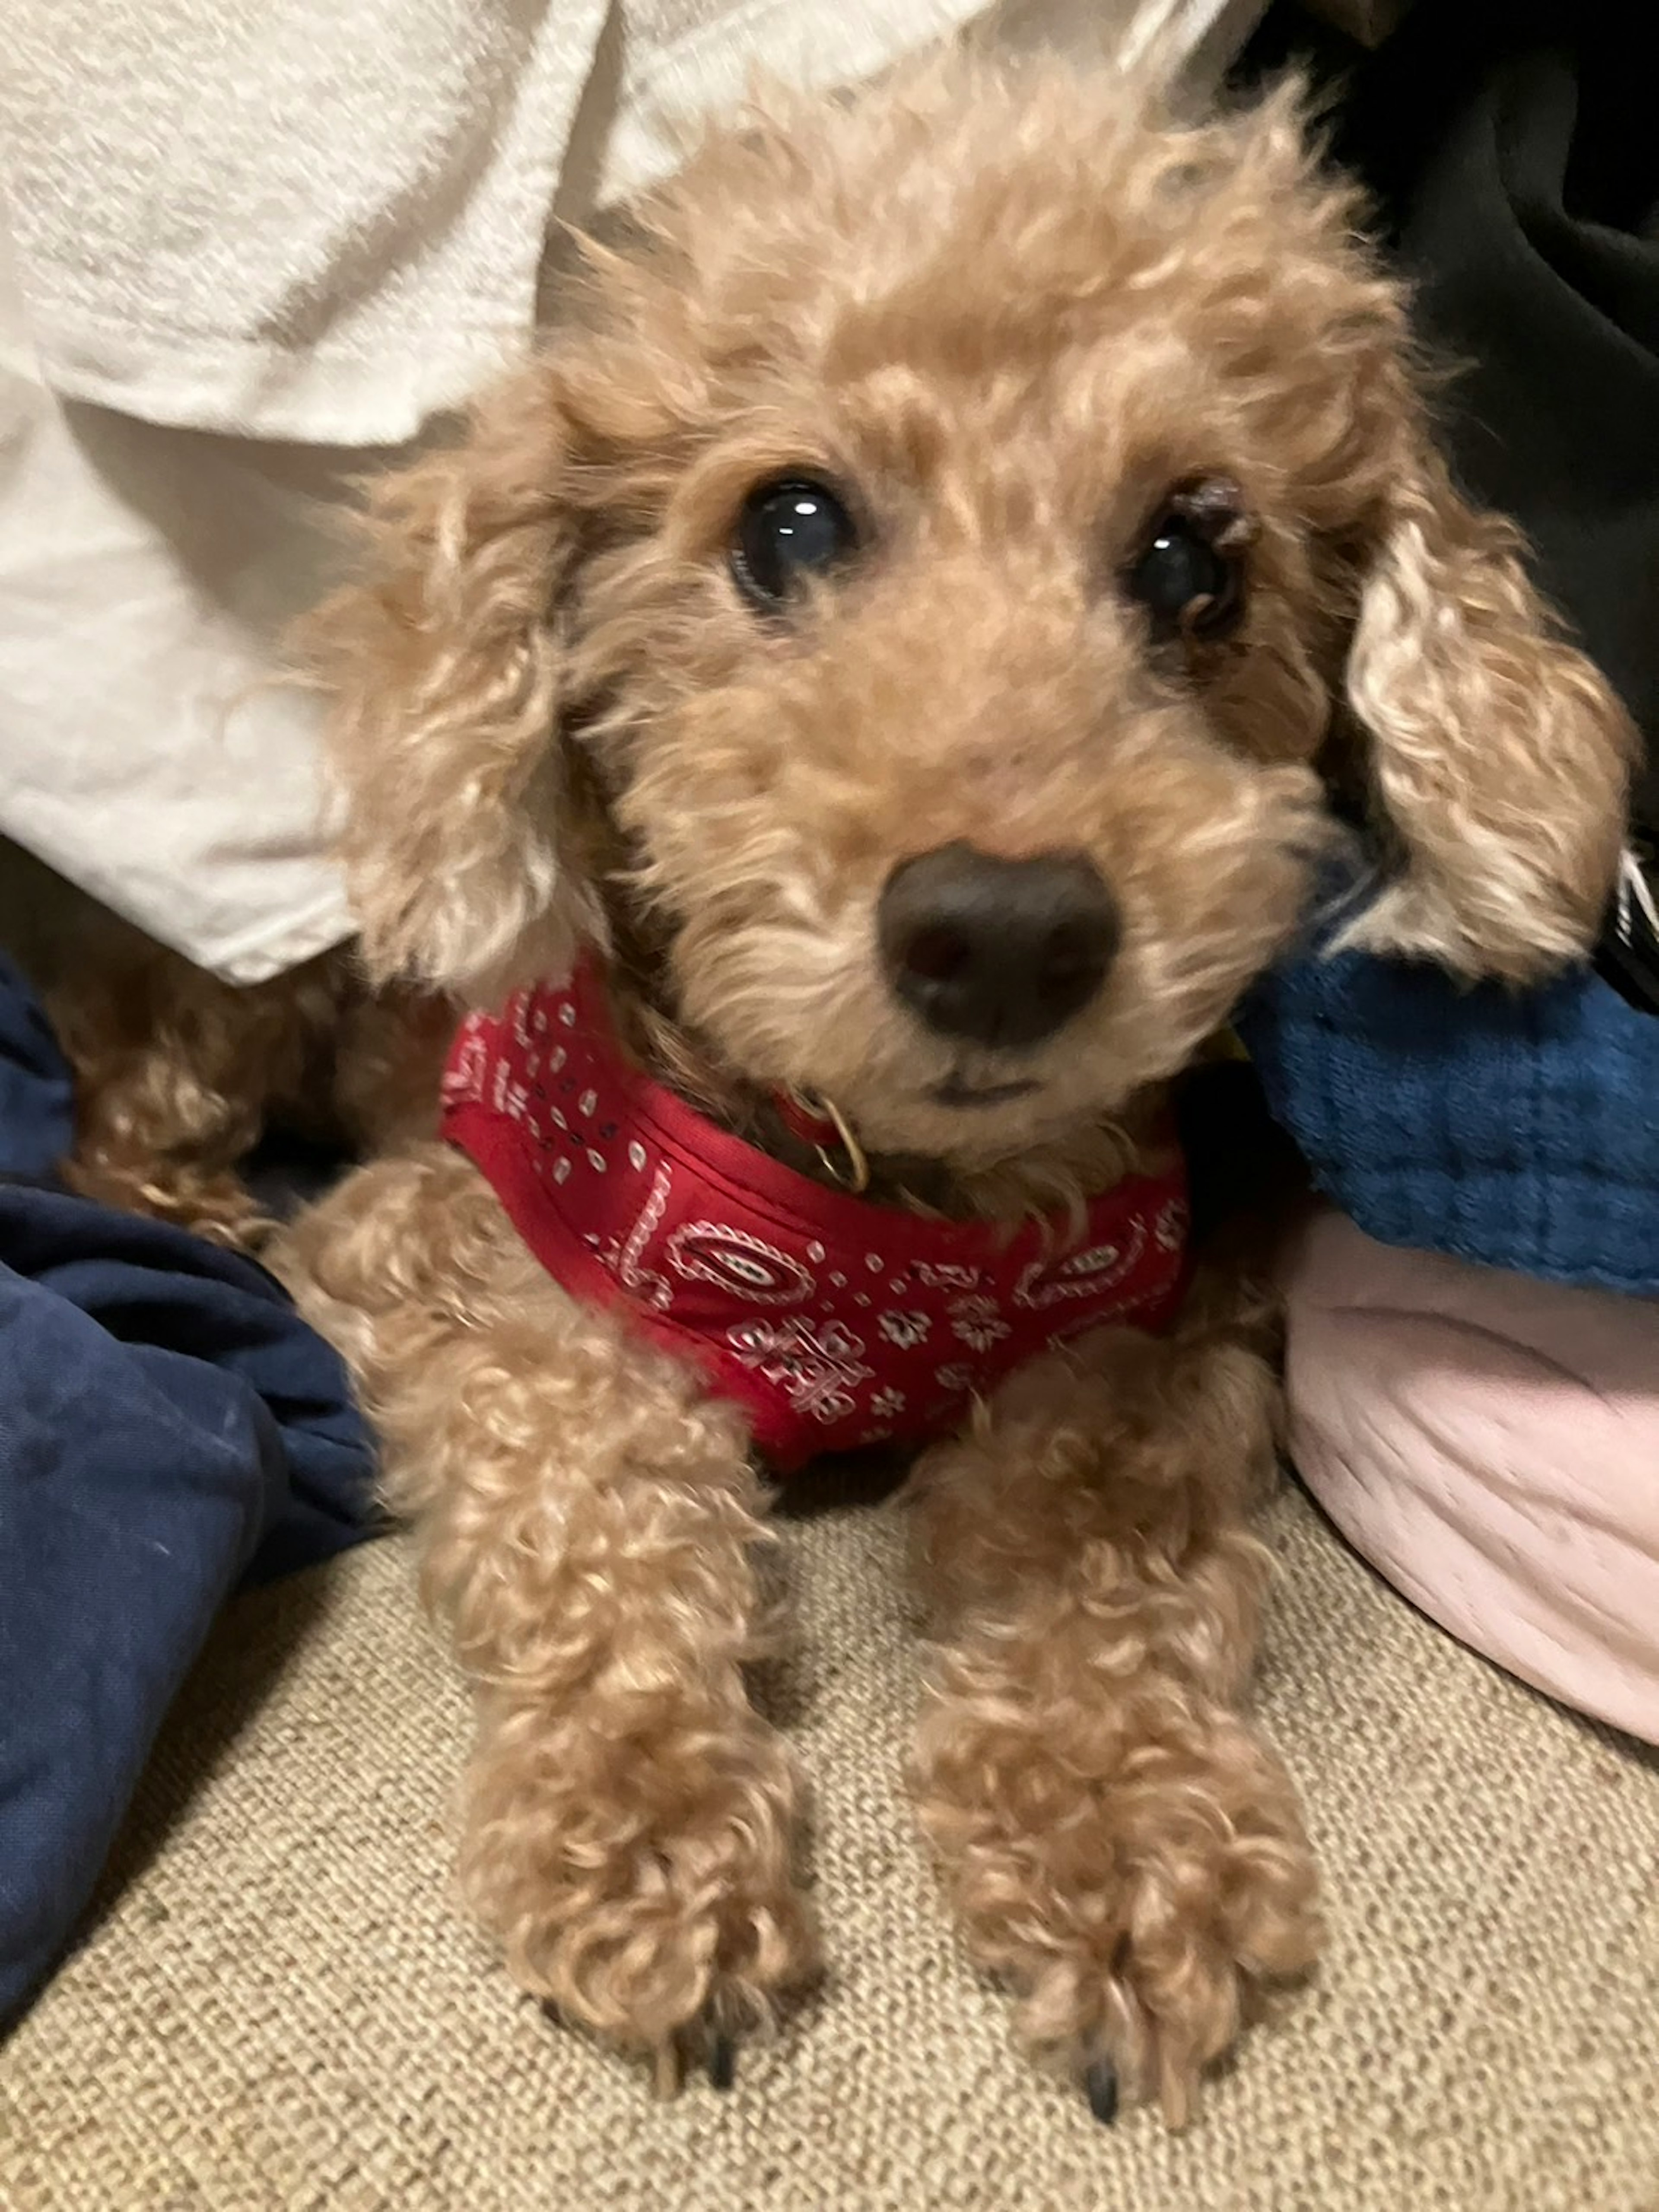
x=790, y=529
x=1189, y=572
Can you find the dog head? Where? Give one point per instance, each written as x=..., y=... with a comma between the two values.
x=908, y=604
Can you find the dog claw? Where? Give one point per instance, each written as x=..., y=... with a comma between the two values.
x=1100, y=2087
x=722, y=2062
x=670, y=2060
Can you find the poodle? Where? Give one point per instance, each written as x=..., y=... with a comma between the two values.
x=850, y=720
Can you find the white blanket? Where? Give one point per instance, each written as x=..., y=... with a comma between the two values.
x=241, y=242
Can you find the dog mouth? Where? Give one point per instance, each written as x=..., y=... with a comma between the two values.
x=957, y=1090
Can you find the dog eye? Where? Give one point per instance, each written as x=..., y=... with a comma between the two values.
x=1187, y=585
x=789, y=530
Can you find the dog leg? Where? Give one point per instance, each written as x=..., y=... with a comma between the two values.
x=177, y=1073
x=1117, y=1840
x=172, y=1071
x=589, y=1521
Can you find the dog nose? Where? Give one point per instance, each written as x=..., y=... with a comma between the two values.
x=998, y=952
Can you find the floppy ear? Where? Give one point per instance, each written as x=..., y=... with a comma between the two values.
x=1499, y=758
x=442, y=669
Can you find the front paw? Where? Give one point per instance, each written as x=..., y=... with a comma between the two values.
x=1138, y=1882
x=647, y=1893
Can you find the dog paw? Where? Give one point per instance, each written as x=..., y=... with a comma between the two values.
x=674, y=1938
x=683, y=1970
x=1140, y=1911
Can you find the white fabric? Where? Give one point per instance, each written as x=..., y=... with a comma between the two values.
x=146, y=574
x=237, y=239
x=304, y=220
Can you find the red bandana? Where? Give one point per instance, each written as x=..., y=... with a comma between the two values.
x=833, y=1322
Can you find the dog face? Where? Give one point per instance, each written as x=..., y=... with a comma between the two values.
x=959, y=714
x=914, y=600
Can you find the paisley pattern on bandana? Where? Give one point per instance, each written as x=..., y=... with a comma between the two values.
x=835, y=1323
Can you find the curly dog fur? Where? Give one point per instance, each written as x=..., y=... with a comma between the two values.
x=178, y=1075
x=1011, y=314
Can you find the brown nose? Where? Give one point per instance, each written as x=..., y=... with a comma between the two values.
x=996, y=953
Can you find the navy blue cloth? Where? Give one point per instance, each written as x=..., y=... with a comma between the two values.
x=1519, y=1130
x=168, y=1428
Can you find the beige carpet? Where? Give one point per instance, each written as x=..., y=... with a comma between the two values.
x=280, y=2010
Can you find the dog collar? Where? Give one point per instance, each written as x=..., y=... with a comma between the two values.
x=825, y=1129
x=834, y=1322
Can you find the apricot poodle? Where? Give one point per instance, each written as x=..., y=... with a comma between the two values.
x=851, y=718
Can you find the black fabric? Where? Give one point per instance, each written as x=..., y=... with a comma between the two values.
x=1511, y=149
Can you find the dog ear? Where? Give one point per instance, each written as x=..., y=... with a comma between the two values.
x=442, y=670
x=1498, y=757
